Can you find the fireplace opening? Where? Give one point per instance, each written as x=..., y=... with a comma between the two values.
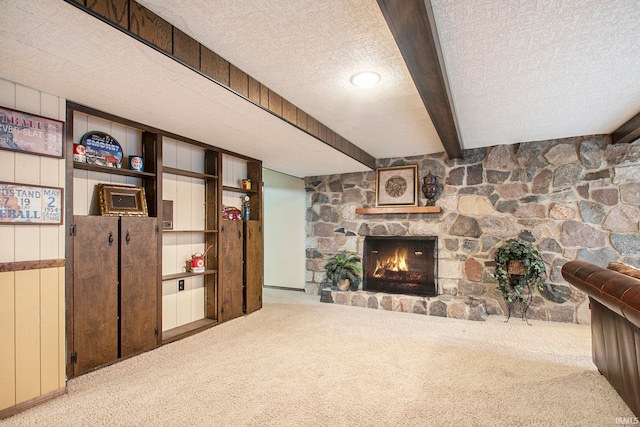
x=401, y=264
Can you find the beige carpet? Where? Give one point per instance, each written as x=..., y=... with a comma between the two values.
x=298, y=362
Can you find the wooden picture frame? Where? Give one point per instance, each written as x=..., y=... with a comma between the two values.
x=31, y=134
x=30, y=204
x=122, y=200
x=396, y=186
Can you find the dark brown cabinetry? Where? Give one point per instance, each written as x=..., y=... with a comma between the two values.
x=253, y=266
x=242, y=268
x=114, y=288
x=115, y=281
x=232, y=261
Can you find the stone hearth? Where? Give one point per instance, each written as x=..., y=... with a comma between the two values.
x=467, y=308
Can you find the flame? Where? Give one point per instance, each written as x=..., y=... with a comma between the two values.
x=396, y=263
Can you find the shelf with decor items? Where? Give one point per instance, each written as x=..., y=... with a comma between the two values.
x=191, y=191
x=242, y=258
x=190, y=174
x=111, y=259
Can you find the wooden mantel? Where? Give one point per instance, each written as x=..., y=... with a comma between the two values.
x=398, y=210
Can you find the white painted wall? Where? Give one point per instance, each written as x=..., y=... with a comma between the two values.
x=284, y=230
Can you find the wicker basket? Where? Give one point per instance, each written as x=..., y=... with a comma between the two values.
x=516, y=267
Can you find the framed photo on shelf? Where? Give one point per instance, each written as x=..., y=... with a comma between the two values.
x=122, y=200
x=396, y=186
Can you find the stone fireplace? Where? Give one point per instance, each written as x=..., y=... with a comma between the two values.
x=401, y=265
x=573, y=198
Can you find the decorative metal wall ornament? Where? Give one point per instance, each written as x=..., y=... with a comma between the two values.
x=397, y=185
x=430, y=188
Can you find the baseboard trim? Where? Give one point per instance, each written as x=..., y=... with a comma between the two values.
x=283, y=288
x=23, y=406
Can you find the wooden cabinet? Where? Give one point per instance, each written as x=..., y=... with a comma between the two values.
x=114, y=289
x=123, y=281
x=138, y=285
x=253, y=265
x=95, y=293
x=231, y=267
x=241, y=268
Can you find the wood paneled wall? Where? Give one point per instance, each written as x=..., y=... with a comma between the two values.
x=32, y=274
x=136, y=20
x=188, y=195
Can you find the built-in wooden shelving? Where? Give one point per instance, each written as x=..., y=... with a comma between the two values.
x=191, y=174
x=239, y=190
x=398, y=210
x=187, y=329
x=113, y=171
x=187, y=274
x=189, y=231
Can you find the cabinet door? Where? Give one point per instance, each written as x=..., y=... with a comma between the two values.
x=95, y=292
x=231, y=270
x=253, y=265
x=139, y=285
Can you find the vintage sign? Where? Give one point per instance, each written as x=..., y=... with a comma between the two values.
x=32, y=134
x=102, y=149
x=29, y=204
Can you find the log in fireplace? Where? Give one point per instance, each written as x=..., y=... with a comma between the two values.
x=401, y=264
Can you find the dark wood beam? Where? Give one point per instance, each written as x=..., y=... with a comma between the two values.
x=628, y=132
x=134, y=19
x=413, y=27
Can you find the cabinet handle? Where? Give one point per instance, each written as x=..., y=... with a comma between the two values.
x=127, y=238
x=110, y=238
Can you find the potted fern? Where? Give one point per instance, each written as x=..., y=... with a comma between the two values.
x=343, y=270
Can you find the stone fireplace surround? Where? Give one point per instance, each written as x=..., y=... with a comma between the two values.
x=574, y=198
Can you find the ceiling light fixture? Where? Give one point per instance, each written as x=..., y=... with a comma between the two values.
x=365, y=79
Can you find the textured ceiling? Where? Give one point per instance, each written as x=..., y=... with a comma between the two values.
x=307, y=51
x=519, y=70
x=537, y=69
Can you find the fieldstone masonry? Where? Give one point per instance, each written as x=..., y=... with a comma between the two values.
x=574, y=198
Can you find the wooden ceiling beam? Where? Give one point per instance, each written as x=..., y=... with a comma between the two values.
x=628, y=132
x=413, y=27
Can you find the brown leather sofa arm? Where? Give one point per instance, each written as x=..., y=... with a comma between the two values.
x=616, y=291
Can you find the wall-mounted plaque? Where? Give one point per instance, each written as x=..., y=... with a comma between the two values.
x=31, y=134
x=102, y=149
x=397, y=185
x=30, y=204
x=122, y=200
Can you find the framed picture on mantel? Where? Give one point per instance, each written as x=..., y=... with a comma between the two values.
x=396, y=186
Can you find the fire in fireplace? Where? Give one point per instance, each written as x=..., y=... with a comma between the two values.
x=401, y=264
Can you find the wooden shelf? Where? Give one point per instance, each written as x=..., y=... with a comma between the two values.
x=187, y=329
x=238, y=190
x=114, y=171
x=190, y=231
x=187, y=274
x=398, y=210
x=191, y=174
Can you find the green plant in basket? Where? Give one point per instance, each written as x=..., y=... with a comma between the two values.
x=344, y=267
x=519, y=269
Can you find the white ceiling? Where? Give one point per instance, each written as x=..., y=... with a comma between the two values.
x=518, y=71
